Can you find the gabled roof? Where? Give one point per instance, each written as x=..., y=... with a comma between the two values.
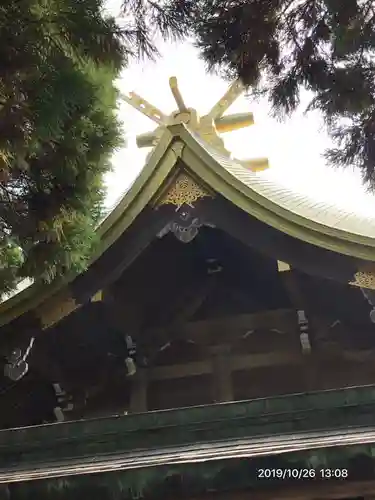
x=318, y=224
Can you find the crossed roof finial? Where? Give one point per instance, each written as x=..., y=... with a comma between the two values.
x=208, y=127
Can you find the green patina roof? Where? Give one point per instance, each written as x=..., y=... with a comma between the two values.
x=319, y=224
x=321, y=216
x=338, y=422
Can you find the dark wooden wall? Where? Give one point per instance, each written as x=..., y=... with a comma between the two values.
x=168, y=292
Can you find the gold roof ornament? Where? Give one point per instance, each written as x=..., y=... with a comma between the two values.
x=207, y=127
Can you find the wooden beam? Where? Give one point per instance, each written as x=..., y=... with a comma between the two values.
x=193, y=369
x=224, y=330
x=189, y=307
x=236, y=363
x=109, y=266
x=258, y=360
x=292, y=288
x=152, y=339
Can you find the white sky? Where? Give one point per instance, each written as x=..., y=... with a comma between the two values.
x=294, y=147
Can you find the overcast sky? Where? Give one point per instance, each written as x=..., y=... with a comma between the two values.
x=294, y=147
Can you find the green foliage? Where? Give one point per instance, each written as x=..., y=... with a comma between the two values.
x=145, y=18
x=278, y=47
x=58, y=128
x=325, y=46
x=11, y=259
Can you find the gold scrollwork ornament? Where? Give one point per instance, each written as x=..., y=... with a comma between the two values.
x=184, y=191
x=364, y=280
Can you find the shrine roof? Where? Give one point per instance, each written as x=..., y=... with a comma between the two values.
x=300, y=216
x=180, y=148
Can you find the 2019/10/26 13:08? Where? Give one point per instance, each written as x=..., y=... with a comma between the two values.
x=302, y=473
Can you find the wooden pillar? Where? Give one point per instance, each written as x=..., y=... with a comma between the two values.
x=222, y=373
x=138, y=396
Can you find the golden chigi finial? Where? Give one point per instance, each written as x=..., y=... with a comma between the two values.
x=208, y=127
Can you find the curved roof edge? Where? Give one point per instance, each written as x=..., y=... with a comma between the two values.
x=248, y=191
x=316, y=223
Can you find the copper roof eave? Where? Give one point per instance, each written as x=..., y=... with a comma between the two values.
x=264, y=446
x=247, y=190
x=78, y=442
x=151, y=178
